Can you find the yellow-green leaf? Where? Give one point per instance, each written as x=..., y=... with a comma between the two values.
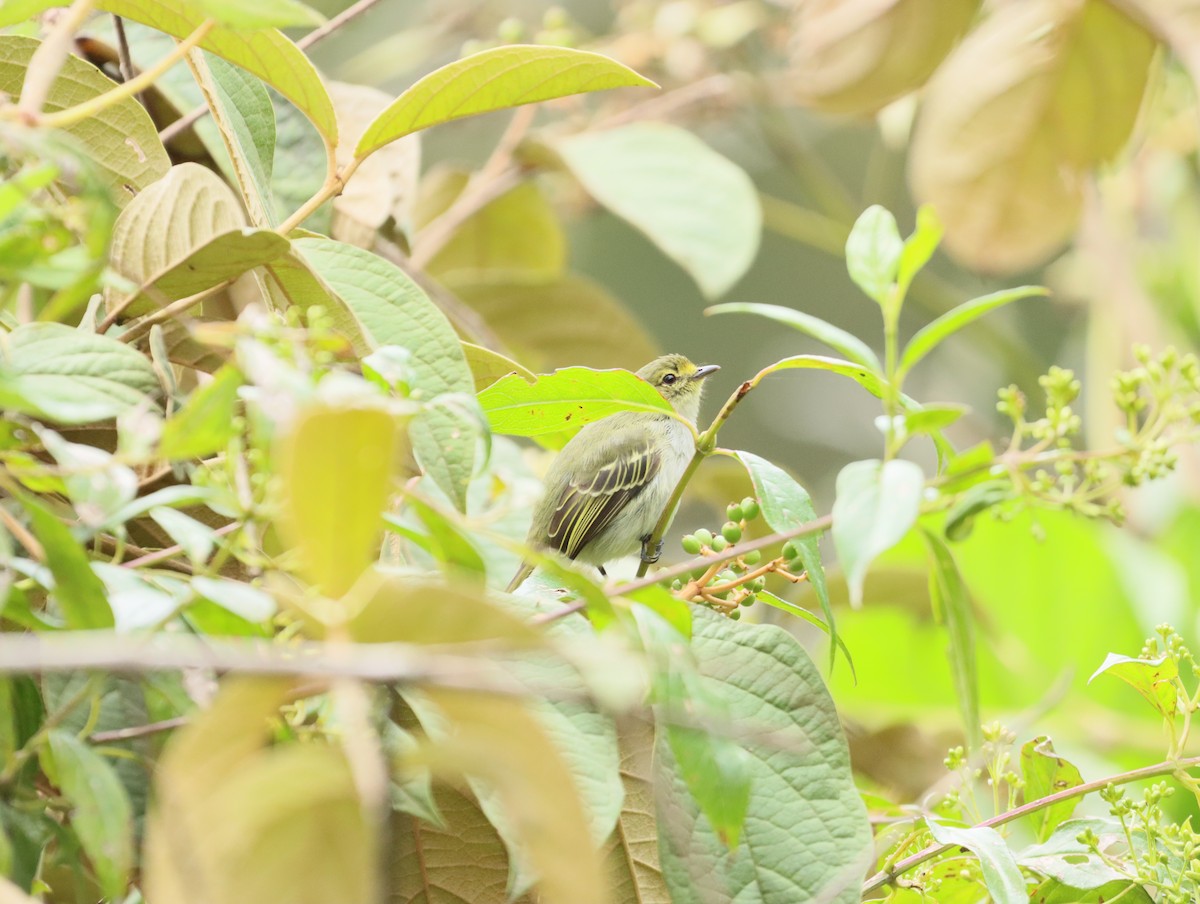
x=493, y=80
x=260, y=14
x=488, y=366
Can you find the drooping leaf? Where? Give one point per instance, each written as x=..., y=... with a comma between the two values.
x=698, y=207
x=951, y=605
x=493, y=80
x=849, y=345
x=1000, y=871
x=291, y=281
x=1154, y=679
x=120, y=140
x=873, y=253
x=1046, y=773
x=566, y=400
x=205, y=424
x=1013, y=122
x=877, y=502
x=336, y=465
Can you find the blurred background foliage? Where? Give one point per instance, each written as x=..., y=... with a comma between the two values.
x=1058, y=143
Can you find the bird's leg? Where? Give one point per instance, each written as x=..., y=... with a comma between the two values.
x=603, y=573
x=647, y=557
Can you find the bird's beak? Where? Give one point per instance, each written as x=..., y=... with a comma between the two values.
x=702, y=372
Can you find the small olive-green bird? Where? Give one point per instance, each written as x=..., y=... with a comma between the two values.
x=608, y=486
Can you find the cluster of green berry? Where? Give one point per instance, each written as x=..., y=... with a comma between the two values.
x=732, y=583
x=557, y=29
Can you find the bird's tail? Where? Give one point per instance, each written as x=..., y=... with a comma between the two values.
x=523, y=572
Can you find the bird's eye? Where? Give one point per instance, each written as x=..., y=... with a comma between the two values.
x=669, y=379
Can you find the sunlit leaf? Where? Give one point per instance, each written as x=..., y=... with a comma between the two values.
x=951, y=603
x=1154, y=679
x=698, y=207
x=1000, y=871
x=240, y=598
x=873, y=253
x=488, y=366
x=205, y=424
x=1046, y=773
x=847, y=344
x=492, y=80
x=919, y=247
x=260, y=14
x=1063, y=858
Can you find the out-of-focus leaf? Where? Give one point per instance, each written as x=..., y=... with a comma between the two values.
x=1014, y=121
x=336, y=465
x=849, y=345
x=300, y=165
x=1063, y=858
x=1154, y=679
x=698, y=207
x=951, y=605
x=240, y=598
x=78, y=591
x=454, y=549
x=856, y=56
x=260, y=14
x=1046, y=773
x=1054, y=892
x=492, y=80
x=919, y=247
x=632, y=864
x=873, y=253
x=194, y=537
x=672, y=610
x=97, y=484
x=291, y=282
x=566, y=400
x=799, y=765
x=1000, y=871
x=877, y=502
x=205, y=424
x=488, y=366
x=568, y=321
x=120, y=140
x=101, y=814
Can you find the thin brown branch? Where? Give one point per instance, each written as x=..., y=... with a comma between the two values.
x=124, y=60
x=477, y=195
x=137, y=731
x=149, y=558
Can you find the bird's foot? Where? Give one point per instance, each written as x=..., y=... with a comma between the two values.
x=648, y=557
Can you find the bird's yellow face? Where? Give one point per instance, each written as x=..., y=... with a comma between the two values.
x=678, y=380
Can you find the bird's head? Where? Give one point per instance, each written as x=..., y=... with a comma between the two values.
x=679, y=381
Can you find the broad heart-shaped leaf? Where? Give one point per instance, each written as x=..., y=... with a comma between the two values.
x=120, y=140
x=265, y=53
x=488, y=366
x=951, y=604
x=1154, y=679
x=392, y=310
x=877, y=502
x=849, y=345
x=801, y=783
x=239, y=821
x=1012, y=123
x=565, y=401
x=1000, y=871
x=52, y=371
x=493, y=80
x=786, y=505
x=79, y=593
x=568, y=321
x=336, y=465
x=1046, y=773
x=260, y=14
x=932, y=335
x=873, y=253
x=245, y=116
x=698, y=207
x=101, y=814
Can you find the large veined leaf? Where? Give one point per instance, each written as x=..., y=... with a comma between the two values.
x=120, y=139
x=260, y=14
x=806, y=836
x=50, y=370
x=632, y=863
x=492, y=80
x=698, y=207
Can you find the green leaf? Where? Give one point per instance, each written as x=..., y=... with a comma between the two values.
x=849, y=345
x=493, y=80
x=14, y=11
x=260, y=14
x=1046, y=773
x=292, y=282
x=952, y=608
x=801, y=783
x=975, y=501
x=812, y=618
x=488, y=366
x=238, y=597
x=1062, y=857
x=785, y=506
x=336, y=465
x=932, y=335
x=78, y=591
x=633, y=869
x=877, y=502
x=265, y=53
x=674, y=611
x=565, y=401
x=452, y=548
x=101, y=814
x=393, y=310
x=246, y=118
x=196, y=538
x=205, y=424
x=1000, y=871
x=918, y=247
x=120, y=140
x=873, y=253
x=698, y=207
x=716, y=773
x=1154, y=679
x=931, y=418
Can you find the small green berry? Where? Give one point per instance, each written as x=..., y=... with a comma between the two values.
x=789, y=550
x=749, y=600
x=753, y=557
x=690, y=544
x=734, y=512
x=726, y=576
x=756, y=585
x=719, y=543
x=704, y=536
x=796, y=565
x=731, y=531
x=750, y=508
x=677, y=584
x=735, y=614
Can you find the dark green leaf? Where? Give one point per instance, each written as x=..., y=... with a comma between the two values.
x=1046, y=773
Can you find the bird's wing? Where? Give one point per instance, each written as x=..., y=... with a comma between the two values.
x=590, y=502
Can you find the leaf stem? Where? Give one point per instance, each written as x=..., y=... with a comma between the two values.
x=1167, y=767
x=48, y=59
x=335, y=181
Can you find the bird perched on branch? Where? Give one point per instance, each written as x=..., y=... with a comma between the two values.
x=608, y=486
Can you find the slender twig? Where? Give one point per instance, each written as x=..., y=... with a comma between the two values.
x=193, y=116
x=124, y=60
x=137, y=731
x=1166, y=767
x=23, y=536
x=158, y=555
x=139, y=328
x=49, y=58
